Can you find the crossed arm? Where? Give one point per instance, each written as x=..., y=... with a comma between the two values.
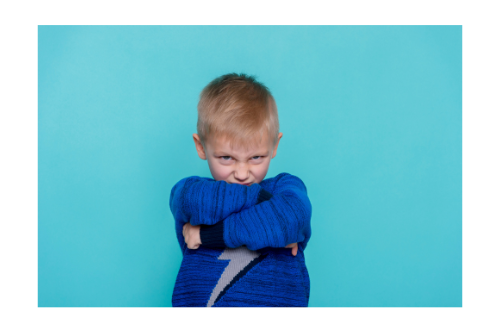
x=233, y=215
x=192, y=237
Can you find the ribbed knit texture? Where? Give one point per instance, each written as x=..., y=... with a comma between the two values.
x=213, y=235
x=255, y=223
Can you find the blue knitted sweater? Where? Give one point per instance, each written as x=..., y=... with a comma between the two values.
x=244, y=229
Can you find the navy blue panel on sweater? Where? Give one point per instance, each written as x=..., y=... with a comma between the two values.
x=255, y=223
x=213, y=235
x=263, y=196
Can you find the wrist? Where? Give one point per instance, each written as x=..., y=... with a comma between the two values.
x=198, y=236
x=212, y=236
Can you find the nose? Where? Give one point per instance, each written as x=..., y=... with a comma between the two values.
x=241, y=172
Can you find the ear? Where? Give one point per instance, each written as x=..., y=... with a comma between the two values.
x=199, y=147
x=277, y=143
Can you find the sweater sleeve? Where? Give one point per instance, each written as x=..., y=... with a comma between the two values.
x=278, y=219
x=205, y=201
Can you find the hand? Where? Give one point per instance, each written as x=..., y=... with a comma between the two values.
x=191, y=236
x=294, y=247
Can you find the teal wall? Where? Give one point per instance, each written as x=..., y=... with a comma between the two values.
x=372, y=123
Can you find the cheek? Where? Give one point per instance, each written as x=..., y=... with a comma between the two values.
x=219, y=171
x=262, y=170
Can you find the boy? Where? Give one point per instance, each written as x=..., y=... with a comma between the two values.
x=234, y=229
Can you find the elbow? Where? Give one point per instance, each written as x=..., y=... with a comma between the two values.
x=304, y=213
x=303, y=222
x=300, y=215
x=305, y=209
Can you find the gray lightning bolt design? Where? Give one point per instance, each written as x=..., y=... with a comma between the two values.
x=238, y=258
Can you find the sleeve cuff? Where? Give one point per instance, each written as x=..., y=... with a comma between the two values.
x=263, y=196
x=212, y=236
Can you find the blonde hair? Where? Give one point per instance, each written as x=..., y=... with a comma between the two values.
x=239, y=109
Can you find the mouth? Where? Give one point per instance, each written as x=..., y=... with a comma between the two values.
x=247, y=184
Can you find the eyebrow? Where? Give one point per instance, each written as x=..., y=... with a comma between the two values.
x=226, y=154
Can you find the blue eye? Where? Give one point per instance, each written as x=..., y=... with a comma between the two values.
x=257, y=156
x=224, y=158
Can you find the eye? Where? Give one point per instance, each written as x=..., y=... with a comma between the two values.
x=228, y=158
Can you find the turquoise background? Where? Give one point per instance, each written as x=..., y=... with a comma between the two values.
x=372, y=123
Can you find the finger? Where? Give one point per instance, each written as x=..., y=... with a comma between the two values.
x=294, y=250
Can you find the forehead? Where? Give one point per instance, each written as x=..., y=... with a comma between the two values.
x=222, y=146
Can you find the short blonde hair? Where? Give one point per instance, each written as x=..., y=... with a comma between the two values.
x=239, y=109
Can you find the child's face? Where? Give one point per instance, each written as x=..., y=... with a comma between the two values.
x=237, y=165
